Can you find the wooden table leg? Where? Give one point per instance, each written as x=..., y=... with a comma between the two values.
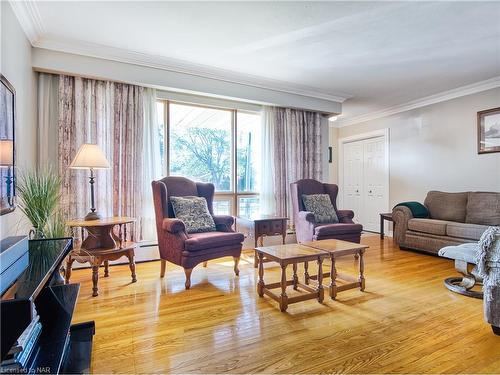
x=361, y=271
x=306, y=274
x=381, y=227
x=321, y=291
x=260, y=284
x=259, y=242
x=283, y=296
x=295, y=277
x=106, y=268
x=130, y=256
x=333, y=277
x=69, y=264
x=95, y=279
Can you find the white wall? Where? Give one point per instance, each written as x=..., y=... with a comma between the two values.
x=16, y=67
x=435, y=148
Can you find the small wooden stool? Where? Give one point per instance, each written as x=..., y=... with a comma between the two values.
x=285, y=255
x=337, y=249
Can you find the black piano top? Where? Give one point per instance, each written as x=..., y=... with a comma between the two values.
x=44, y=257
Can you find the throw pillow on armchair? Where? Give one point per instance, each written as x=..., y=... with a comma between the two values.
x=193, y=211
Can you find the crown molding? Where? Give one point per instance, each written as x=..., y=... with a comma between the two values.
x=83, y=48
x=31, y=22
x=29, y=18
x=422, y=102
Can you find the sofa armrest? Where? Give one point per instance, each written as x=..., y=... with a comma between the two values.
x=345, y=216
x=307, y=216
x=400, y=216
x=173, y=225
x=224, y=223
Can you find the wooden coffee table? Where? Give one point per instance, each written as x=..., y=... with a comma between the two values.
x=285, y=255
x=337, y=249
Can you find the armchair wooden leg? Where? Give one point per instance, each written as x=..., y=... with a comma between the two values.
x=236, y=262
x=205, y=264
x=188, y=271
x=163, y=267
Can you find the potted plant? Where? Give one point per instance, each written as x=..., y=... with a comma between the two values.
x=39, y=194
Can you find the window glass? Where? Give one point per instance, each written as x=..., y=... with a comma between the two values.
x=222, y=207
x=160, y=110
x=200, y=144
x=248, y=206
x=248, y=151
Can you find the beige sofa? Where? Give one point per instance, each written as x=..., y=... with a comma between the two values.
x=455, y=218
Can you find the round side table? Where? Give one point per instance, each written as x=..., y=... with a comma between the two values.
x=101, y=245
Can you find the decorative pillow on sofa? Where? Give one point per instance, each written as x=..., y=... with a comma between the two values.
x=193, y=211
x=322, y=208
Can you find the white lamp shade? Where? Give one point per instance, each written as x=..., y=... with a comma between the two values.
x=89, y=156
x=6, y=152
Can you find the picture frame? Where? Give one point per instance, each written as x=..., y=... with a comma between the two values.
x=7, y=146
x=488, y=131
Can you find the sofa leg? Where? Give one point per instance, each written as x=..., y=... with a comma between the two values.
x=236, y=262
x=188, y=271
x=356, y=256
x=496, y=330
x=205, y=264
x=163, y=267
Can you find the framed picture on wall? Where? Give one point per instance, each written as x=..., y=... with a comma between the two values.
x=488, y=131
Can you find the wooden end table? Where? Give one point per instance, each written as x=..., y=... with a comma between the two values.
x=285, y=255
x=261, y=226
x=336, y=249
x=101, y=245
x=384, y=216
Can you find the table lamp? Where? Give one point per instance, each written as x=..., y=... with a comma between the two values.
x=91, y=157
x=6, y=152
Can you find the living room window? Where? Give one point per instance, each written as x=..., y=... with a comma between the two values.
x=216, y=145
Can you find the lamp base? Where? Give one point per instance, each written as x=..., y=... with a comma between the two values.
x=92, y=216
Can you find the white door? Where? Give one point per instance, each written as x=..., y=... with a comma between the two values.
x=353, y=179
x=365, y=177
x=374, y=180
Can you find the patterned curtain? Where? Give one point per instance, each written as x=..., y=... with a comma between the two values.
x=111, y=115
x=297, y=152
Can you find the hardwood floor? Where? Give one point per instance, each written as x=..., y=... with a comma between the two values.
x=405, y=322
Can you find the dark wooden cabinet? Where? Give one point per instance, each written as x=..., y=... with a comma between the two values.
x=258, y=227
x=61, y=347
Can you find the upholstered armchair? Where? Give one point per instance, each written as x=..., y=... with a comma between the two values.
x=189, y=249
x=306, y=227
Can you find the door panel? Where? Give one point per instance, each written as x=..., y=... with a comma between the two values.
x=374, y=180
x=353, y=179
x=364, y=178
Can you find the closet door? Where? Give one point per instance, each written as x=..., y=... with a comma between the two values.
x=374, y=181
x=353, y=179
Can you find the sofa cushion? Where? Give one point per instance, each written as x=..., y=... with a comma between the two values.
x=446, y=206
x=334, y=229
x=321, y=206
x=466, y=252
x=430, y=226
x=210, y=240
x=464, y=230
x=483, y=208
x=193, y=211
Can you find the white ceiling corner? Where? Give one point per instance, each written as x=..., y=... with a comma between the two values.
x=422, y=102
x=29, y=18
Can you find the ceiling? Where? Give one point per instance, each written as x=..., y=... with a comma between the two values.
x=376, y=54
